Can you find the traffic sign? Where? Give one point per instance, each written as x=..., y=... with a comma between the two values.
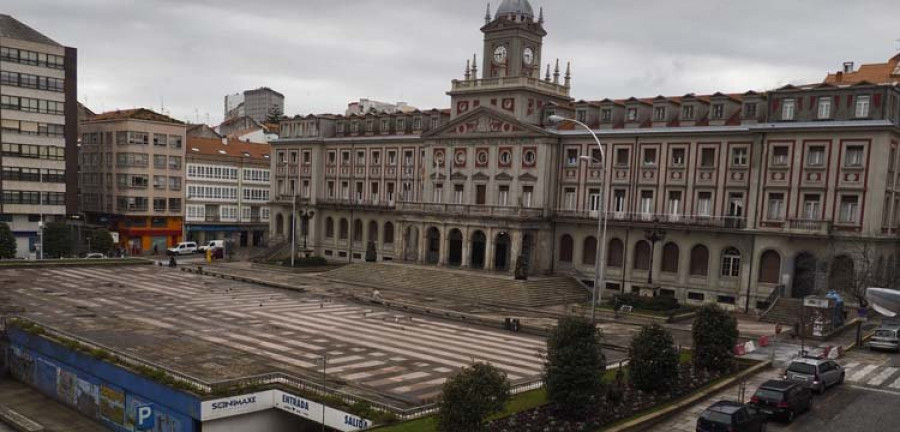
x=145, y=418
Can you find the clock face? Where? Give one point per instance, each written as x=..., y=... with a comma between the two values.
x=500, y=54
x=528, y=56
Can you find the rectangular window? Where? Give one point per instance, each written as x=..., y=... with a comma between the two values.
x=581, y=115
x=392, y=158
x=459, y=194
x=695, y=296
x=571, y=156
x=750, y=110
x=438, y=193
x=332, y=158
x=674, y=204
x=718, y=111
x=812, y=207
x=787, y=109
x=622, y=157
x=649, y=157
x=570, y=199
x=708, y=158
x=480, y=194
x=359, y=192
x=862, y=106
x=776, y=207
x=632, y=114
x=854, y=156
x=503, y=196
x=329, y=189
x=646, y=204
x=361, y=158
x=824, y=107
x=160, y=140
x=619, y=201
x=606, y=115
x=849, y=209
x=687, y=112
x=659, y=114
x=780, y=156
x=678, y=157
x=527, y=195
x=704, y=204
x=739, y=157
x=594, y=200
x=816, y=156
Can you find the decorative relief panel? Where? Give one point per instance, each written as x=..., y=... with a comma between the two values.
x=485, y=125
x=459, y=158
x=482, y=157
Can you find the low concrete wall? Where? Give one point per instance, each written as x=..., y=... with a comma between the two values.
x=109, y=262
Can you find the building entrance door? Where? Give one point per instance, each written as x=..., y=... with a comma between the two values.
x=479, y=244
x=501, y=252
x=432, y=256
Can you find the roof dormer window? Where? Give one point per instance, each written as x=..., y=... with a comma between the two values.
x=824, y=108
x=718, y=111
x=659, y=114
x=606, y=115
x=632, y=114
x=687, y=112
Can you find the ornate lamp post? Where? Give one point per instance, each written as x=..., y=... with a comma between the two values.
x=305, y=216
x=653, y=235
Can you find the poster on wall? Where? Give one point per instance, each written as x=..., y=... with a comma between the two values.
x=87, y=398
x=21, y=365
x=166, y=423
x=45, y=376
x=65, y=386
x=112, y=405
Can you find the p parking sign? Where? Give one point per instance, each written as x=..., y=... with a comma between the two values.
x=145, y=418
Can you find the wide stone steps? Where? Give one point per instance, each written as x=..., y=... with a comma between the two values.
x=461, y=284
x=786, y=311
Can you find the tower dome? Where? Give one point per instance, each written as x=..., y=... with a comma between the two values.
x=520, y=8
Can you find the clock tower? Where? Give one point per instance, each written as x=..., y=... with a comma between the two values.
x=512, y=41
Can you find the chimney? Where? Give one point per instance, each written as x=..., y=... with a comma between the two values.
x=848, y=67
x=224, y=141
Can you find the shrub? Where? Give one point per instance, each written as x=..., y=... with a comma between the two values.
x=7, y=242
x=715, y=333
x=470, y=397
x=313, y=261
x=659, y=303
x=57, y=240
x=654, y=360
x=102, y=242
x=573, y=372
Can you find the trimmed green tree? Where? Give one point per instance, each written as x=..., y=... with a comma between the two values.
x=7, y=242
x=573, y=372
x=57, y=240
x=101, y=241
x=471, y=396
x=654, y=360
x=715, y=333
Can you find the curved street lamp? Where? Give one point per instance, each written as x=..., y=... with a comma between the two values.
x=599, y=264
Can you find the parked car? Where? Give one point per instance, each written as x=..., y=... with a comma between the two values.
x=815, y=374
x=95, y=255
x=183, y=248
x=212, y=245
x=729, y=416
x=886, y=337
x=782, y=400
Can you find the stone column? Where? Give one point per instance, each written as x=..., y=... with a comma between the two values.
x=444, y=246
x=423, y=244
x=466, y=248
x=489, y=250
x=515, y=248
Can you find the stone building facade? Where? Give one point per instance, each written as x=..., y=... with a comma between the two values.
x=744, y=192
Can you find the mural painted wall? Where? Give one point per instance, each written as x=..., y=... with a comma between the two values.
x=107, y=393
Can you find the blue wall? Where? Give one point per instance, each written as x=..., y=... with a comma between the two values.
x=99, y=390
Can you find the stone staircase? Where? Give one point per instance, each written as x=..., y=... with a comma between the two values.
x=785, y=311
x=464, y=285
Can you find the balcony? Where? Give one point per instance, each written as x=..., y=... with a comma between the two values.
x=483, y=211
x=507, y=82
x=212, y=218
x=813, y=226
x=719, y=222
x=356, y=203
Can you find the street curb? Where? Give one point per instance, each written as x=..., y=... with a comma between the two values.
x=18, y=421
x=865, y=337
x=243, y=279
x=642, y=423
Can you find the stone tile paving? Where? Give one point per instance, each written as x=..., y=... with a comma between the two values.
x=217, y=329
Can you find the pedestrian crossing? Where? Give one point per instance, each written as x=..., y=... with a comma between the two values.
x=880, y=375
x=217, y=329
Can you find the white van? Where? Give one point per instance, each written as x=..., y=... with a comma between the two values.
x=213, y=244
x=183, y=248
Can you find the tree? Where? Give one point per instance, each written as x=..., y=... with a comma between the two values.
x=471, y=396
x=574, y=368
x=57, y=240
x=274, y=115
x=857, y=264
x=7, y=242
x=654, y=359
x=715, y=333
x=101, y=241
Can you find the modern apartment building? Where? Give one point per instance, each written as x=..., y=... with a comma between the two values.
x=39, y=119
x=227, y=191
x=260, y=102
x=709, y=198
x=132, y=177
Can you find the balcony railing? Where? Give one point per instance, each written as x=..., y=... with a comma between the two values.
x=358, y=202
x=733, y=222
x=501, y=82
x=471, y=210
x=212, y=218
x=814, y=225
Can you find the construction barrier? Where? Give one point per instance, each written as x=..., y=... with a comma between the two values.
x=763, y=341
x=739, y=350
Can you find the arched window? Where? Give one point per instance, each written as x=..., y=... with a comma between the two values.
x=373, y=231
x=566, y=245
x=357, y=230
x=279, y=224
x=345, y=229
x=329, y=227
x=731, y=262
x=642, y=255
x=699, y=261
x=769, y=267
x=616, y=253
x=670, y=258
x=589, y=251
x=388, y=232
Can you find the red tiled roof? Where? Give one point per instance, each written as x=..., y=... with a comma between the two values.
x=235, y=148
x=134, y=114
x=877, y=73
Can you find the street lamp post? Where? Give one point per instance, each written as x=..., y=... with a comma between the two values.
x=287, y=171
x=653, y=235
x=305, y=216
x=599, y=264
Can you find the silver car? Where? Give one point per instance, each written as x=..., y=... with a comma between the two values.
x=886, y=337
x=815, y=374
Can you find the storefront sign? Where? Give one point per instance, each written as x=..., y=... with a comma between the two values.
x=235, y=405
x=250, y=403
x=815, y=302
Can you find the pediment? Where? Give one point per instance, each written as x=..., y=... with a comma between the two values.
x=528, y=177
x=484, y=121
x=457, y=176
x=481, y=177
x=503, y=177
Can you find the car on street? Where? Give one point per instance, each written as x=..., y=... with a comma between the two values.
x=95, y=255
x=886, y=337
x=730, y=416
x=183, y=248
x=782, y=400
x=815, y=374
x=213, y=244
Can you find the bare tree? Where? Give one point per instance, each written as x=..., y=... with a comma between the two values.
x=857, y=264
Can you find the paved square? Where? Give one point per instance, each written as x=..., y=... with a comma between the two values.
x=215, y=329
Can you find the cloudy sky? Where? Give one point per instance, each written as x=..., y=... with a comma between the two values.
x=187, y=54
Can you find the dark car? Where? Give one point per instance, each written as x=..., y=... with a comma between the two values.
x=782, y=400
x=728, y=416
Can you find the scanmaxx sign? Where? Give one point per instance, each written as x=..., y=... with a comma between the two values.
x=250, y=403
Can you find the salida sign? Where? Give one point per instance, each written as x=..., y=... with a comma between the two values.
x=246, y=404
